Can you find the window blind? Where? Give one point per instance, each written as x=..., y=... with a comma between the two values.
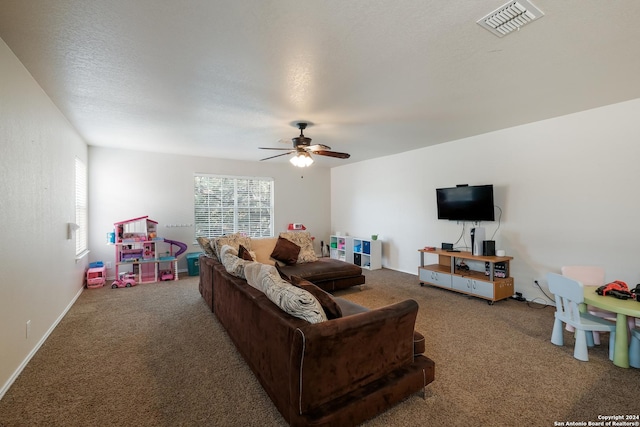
x=228, y=204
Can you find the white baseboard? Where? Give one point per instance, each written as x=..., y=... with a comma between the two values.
x=35, y=349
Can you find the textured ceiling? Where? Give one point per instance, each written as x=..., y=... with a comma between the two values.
x=222, y=78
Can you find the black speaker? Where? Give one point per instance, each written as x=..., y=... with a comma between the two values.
x=489, y=248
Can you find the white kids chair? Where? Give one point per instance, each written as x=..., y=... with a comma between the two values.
x=590, y=275
x=569, y=293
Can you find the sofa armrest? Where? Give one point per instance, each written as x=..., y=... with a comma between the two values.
x=333, y=358
x=206, y=279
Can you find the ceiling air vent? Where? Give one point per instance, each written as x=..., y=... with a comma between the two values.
x=510, y=17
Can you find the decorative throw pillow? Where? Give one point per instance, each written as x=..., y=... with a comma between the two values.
x=295, y=301
x=254, y=273
x=304, y=240
x=205, y=245
x=234, y=265
x=228, y=249
x=330, y=306
x=244, y=253
x=233, y=240
x=285, y=251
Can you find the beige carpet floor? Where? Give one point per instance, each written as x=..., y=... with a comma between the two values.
x=154, y=355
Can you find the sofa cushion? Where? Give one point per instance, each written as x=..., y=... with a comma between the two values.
x=323, y=269
x=304, y=240
x=329, y=305
x=233, y=240
x=349, y=308
x=254, y=272
x=291, y=299
x=232, y=263
x=262, y=247
x=286, y=251
x=295, y=301
x=205, y=245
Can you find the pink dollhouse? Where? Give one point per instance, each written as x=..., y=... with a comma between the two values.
x=137, y=251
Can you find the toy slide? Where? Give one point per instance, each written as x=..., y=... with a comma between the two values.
x=181, y=245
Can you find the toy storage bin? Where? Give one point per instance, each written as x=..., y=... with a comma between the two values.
x=193, y=263
x=357, y=259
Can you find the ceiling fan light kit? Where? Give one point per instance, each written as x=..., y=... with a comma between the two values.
x=301, y=160
x=302, y=150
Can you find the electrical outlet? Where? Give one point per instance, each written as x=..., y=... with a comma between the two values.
x=28, y=329
x=108, y=265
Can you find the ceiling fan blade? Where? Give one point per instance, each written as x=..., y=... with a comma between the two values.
x=272, y=148
x=332, y=154
x=278, y=155
x=317, y=147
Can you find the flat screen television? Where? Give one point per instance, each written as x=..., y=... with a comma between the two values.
x=466, y=203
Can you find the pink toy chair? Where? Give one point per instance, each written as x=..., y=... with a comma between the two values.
x=593, y=276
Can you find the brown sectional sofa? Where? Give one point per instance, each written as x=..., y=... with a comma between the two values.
x=339, y=372
x=327, y=273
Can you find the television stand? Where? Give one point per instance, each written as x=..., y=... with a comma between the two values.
x=492, y=284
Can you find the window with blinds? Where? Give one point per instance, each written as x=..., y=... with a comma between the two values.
x=228, y=204
x=81, y=207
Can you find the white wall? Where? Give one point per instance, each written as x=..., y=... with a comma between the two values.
x=39, y=275
x=128, y=184
x=567, y=187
